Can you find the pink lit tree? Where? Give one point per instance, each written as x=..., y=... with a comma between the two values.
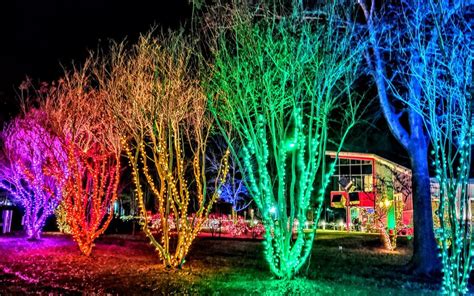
x=32, y=168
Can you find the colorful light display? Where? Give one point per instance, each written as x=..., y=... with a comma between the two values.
x=33, y=168
x=61, y=219
x=166, y=128
x=452, y=163
x=233, y=191
x=275, y=86
x=93, y=150
x=403, y=39
x=91, y=190
x=447, y=106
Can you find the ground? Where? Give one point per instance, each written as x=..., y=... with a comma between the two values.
x=340, y=264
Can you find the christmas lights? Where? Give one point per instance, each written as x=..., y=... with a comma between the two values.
x=33, y=168
x=61, y=219
x=444, y=73
x=274, y=86
x=233, y=191
x=92, y=145
x=161, y=108
x=91, y=190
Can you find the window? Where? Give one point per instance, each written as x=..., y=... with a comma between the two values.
x=343, y=161
x=367, y=169
x=357, y=183
x=344, y=170
x=358, y=171
x=355, y=170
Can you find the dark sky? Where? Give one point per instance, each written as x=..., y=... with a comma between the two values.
x=37, y=36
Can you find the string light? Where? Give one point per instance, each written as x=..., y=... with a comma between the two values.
x=173, y=202
x=90, y=192
x=270, y=97
x=34, y=171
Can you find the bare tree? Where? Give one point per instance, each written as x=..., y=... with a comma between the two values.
x=393, y=191
x=234, y=190
x=276, y=81
x=161, y=110
x=395, y=33
x=444, y=71
x=33, y=167
x=80, y=116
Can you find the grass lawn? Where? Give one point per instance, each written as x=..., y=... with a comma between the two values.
x=341, y=264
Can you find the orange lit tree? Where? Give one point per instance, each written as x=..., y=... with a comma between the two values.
x=161, y=108
x=93, y=151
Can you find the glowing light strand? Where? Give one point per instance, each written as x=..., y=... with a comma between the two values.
x=277, y=100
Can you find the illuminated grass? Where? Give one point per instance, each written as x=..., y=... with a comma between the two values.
x=214, y=267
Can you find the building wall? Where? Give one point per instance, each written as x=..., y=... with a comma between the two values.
x=389, y=183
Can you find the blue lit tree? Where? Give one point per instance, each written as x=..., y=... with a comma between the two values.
x=233, y=191
x=394, y=34
x=444, y=71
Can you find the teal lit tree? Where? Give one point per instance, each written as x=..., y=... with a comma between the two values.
x=445, y=103
x=276, y=84
x=395, y=31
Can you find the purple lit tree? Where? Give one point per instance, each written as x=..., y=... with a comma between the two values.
x=32, y=168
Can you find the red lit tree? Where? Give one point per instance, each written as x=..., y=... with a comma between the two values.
x=90, y=192
x=93, y=148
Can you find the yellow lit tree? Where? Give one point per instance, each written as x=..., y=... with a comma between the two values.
x=161, y=109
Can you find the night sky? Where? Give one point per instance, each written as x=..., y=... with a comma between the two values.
x=38, y=36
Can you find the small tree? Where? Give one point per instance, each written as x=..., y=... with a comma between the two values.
x=33, y=168
x=233, y=191
x=80, y=115
x=393, y=191
x=162, y=113
x=276, y=83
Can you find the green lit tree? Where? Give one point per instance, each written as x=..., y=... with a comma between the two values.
x=277, y=82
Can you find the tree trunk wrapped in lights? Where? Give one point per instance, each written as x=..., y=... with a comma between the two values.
x=276, y=86
x=33, y=168
x=82, y=118
x=91, y=190
x=162, y=112
x=451, y=133
x=445, y=76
